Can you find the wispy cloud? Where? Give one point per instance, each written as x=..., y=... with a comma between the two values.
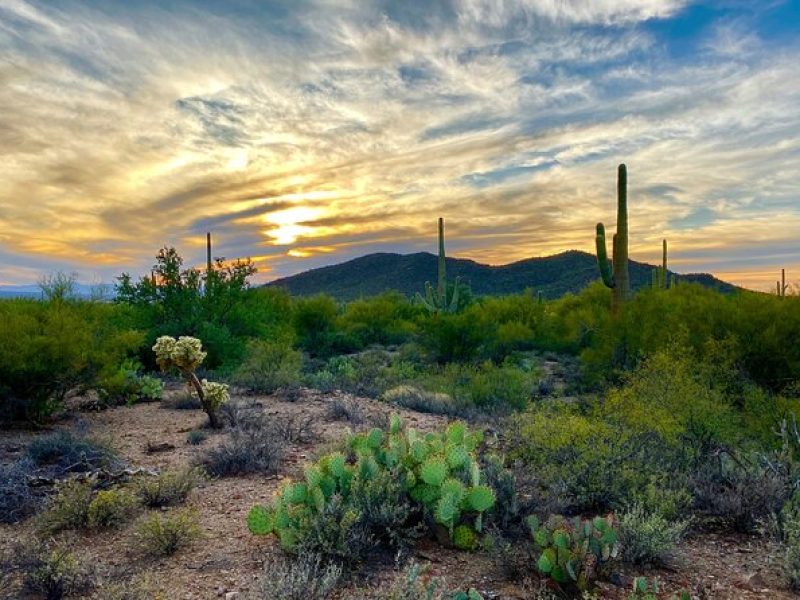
x=305, y=133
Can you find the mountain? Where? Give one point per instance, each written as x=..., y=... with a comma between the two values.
x=554, y=275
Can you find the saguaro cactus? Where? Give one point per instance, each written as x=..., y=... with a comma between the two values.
x=209, y=263
x=661, y=274
x=616, y=276
x=781, y=285
x=437, y=302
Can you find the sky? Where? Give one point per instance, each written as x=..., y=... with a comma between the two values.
x=307, y=132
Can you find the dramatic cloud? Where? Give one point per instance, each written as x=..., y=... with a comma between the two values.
x=304, y=133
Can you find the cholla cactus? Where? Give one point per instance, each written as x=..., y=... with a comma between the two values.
x=216, y=393
x=186, y=354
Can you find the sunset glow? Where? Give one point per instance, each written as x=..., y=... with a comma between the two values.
x=308, y=133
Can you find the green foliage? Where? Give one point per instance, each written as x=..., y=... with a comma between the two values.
x=314, y=321
x=52, y=572
x=387, y=319
x=163, y=535
x=574, y=551
x=215, y=305
x=435, y=476
x=64, y=451
x=598, y=455
x=126, y=385
x=790, y=529
x=52, y=347
x=647, y=537
x=269, y=366
x=69, y=508
x=111, y=508
x=168, y=488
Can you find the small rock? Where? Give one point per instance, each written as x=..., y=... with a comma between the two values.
x=232, y=596
x=754, y=583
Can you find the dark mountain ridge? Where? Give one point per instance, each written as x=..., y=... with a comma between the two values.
x=555, y=275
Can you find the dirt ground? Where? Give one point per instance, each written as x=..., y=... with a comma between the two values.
x=228, y=560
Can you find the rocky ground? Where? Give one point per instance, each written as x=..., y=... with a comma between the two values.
x=228, y=560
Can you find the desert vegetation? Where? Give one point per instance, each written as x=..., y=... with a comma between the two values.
x=444, y=446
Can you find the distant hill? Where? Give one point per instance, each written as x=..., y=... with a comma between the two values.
x=554, y=275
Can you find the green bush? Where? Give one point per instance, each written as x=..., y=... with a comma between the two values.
x=126, y=385
x=790, y=525
x=111, y=508
x=158, y=535
x=648, y=538
x=269, y=366
x=386, y=319
x=64, y=452
x=168, y=488
x=52, y=572
x=69, y=508
x=314, y=322
x=50, y=348
x=335, y=510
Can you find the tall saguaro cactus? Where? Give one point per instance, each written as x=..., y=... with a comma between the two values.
x=616, y=275
x=661, y=274
x=209, y=263
x=781, y=285
x=437, y=301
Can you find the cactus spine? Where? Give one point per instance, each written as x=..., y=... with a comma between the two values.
x=661, y=274
x=616, y=276
x=437, y=302
x=781, y=285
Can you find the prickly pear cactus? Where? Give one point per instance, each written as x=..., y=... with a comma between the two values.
x=572, y=551
x=438, y=471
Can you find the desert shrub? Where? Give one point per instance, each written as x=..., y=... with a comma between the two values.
x=314, y=321
x=503, y=481
x=345, y=506
x=386, y=319
x=269, y=366
x=50, y=348
x=574, y=551
x=790, y=533
x=111, y=508
x=451, y=338
x=346, y=409
x=248, y=450
x=648, y=538
x=304, y=577
x=53, y=572
x=66, y=452
x=739, y=492
x=126, y=385
x=196, y=437
x=163, y=535
x=413, y=398
x=296, y=428
x=69, y=508
x=168, y=488
x=17, y=500
x=414, y=582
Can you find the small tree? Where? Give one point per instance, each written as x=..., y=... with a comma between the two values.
x=185, y=354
